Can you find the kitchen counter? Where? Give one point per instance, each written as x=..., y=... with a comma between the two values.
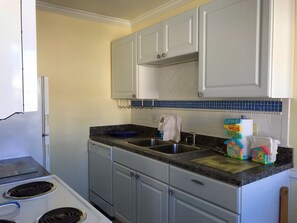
x=284, y=158
x=17, y=169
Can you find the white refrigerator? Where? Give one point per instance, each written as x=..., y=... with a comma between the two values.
x=27, y=134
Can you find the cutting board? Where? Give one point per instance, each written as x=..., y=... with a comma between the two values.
x=225, y=164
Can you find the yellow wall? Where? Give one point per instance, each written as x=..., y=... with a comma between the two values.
x=75, y=55
x=293, y=116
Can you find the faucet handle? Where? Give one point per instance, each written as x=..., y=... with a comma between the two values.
x=194, y=138
x=189, y=139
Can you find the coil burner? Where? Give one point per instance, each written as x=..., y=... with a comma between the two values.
x=30, y=190
x=64, y=214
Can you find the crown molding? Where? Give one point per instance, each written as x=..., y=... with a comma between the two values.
x=81, y=14
x=174, y=4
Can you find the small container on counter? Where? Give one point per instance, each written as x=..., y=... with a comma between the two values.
x=239, y=129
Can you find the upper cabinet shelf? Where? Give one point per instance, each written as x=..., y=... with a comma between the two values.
x=246, y=48
x=170, y=40
x=18, y=64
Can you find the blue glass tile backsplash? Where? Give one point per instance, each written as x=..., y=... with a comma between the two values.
x=267, y=106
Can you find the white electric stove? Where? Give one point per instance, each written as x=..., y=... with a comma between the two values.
x=57, y=203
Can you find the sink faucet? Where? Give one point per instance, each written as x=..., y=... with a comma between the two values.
x=194, y=137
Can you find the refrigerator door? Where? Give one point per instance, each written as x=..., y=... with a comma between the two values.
x=46, y=150
x=45, y=105
x=45, y=121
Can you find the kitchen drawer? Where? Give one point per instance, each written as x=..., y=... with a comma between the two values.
x=187, y=208
x=145, y=165
x=216, y=192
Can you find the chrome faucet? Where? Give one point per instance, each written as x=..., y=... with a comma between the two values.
x=194, y=138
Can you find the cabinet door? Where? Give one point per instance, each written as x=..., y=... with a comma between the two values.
x=29, y=55
x=11, y=84
x=233, y=48
x=149, y=44
x=152, y=200
x=187, y=208
x=180, y=34
x=124, y=187
x=124, y=68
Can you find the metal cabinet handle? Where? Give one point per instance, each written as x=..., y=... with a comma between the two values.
x=137, y=176
x=163, y=55
x=170, y=192
x=158, y=56
x=133, y=95
x=197, y=182
x=200, y=94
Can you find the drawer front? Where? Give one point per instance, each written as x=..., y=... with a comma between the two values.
x=216, y=192
x=147, y=166
x=187, y=208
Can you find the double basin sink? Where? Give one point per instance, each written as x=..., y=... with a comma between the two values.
x=164, y=147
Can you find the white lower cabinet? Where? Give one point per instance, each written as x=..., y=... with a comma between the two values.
x=124, y=197
x=139, y=198
x=195, y=198
x=149, y=191
x=184, y=207
x=152, y=200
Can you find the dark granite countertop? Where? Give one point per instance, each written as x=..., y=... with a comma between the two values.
x=17, y=169
x=284, y=158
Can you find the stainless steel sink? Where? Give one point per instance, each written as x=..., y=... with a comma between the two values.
x=165, y=147
x=148, y=142
x=175, y=148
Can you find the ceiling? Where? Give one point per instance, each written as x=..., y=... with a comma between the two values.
x=121, y=9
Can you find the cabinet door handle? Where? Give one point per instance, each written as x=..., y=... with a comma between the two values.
x=170, y=192
x=163, y=55
x=198, y=182
x=137, y=176
x=158, y=56
x=200, y=94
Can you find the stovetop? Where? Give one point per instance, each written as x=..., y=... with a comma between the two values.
x=30, y=209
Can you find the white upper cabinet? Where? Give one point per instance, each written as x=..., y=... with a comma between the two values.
x=149, y=44
x=246, y=48
x=18, y=64
x=128, y=79
x=171, y=38
x=124, y=67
